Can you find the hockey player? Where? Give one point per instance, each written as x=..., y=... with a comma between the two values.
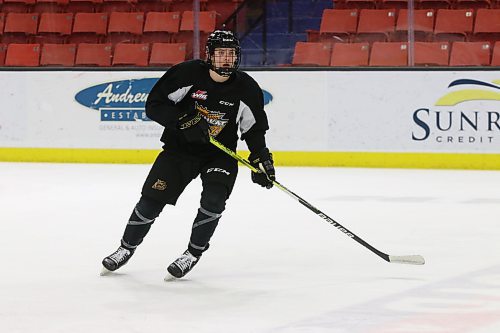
x=193, y=101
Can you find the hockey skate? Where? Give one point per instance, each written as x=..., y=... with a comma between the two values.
x=181, y=266
x=116, y=260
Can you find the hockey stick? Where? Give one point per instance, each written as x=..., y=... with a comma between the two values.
x=409, y=259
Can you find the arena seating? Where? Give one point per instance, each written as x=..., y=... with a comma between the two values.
x=352, y=54
x=432, y=53
x=167, y=54
x=19, y=27
x=125, y=27
x=375, y=25
x=338, y=24
x=351, y=33
x=23, y=55
x=48, y=6
x=54, y=27
x=453, y=24
x=389, y=54
x=423, y=25
x=131, y=54
x=3, y=51
x=495, y=58
x=161, y=26
x=58, y=55
x=487, y=25
x=312, y=54
x=445, y=33
x=89, y=28
x=17, y=6
x=84, y=6
x=470, y=54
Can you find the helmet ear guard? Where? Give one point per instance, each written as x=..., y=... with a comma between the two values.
x=223, y=39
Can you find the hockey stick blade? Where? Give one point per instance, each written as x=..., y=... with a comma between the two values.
x=104, y=272
x=410, y=260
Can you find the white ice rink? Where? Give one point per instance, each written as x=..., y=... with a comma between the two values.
x=273, y=265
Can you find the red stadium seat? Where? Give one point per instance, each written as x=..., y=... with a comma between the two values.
x=147, y=6
x=206, y=21
x=353, y=54
x=185, y=5
x=360, y=4
x=470, y=54
x=17, y=6
x=339, y=4
x=487, y=26
x=50, y=6
x=453, y=24
x=423, y=25
x=495, y=58
x=54, y=27
x=131, y=55
x=166, y=54
x=223, y=8
x=89, y=27
x=338, y=24
x=389, y=54
x=23, y=55
x=435, y=4
x=375, y=25
x=311, y=54
x=159, y=27
x=58, y=55
x=2, y=22
x=394, y=4
x=3, y=51
x=84, y=6
x=474, y=4
x=206, y=25
x=432, y=54
x=93, y=55
x=20, y=27
x=118, y=5
x=125, y=27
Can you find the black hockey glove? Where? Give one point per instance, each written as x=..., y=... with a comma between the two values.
x=263, y=160
x=194, y=128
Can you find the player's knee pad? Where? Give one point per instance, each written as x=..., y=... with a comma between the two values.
x=141, y=219
x=213, y=198
x=146, y=211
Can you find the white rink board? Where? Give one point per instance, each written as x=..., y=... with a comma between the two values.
x=309, y=111
x=376, y=111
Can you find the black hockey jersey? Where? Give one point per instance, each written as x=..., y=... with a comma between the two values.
x=236, y=105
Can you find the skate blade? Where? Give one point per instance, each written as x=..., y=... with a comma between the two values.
x=104, y=272
x=169, y=277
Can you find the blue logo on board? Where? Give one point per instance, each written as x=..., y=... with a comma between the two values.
x=124, y=100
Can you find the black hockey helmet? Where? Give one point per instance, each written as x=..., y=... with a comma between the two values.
x=223, y=39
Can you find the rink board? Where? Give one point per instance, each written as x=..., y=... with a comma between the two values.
x=416, y=119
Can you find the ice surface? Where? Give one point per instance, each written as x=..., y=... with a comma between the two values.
x=273, y=265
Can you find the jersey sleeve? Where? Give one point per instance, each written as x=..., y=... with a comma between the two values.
x=252, y=119
x=161, y=105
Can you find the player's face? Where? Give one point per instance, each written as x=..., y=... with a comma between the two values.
x=224, y=57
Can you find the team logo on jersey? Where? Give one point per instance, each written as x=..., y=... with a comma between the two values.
x=200, y=94
x=215, y=119
x=160, y=185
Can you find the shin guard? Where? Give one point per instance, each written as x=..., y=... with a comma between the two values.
x=141, y=220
